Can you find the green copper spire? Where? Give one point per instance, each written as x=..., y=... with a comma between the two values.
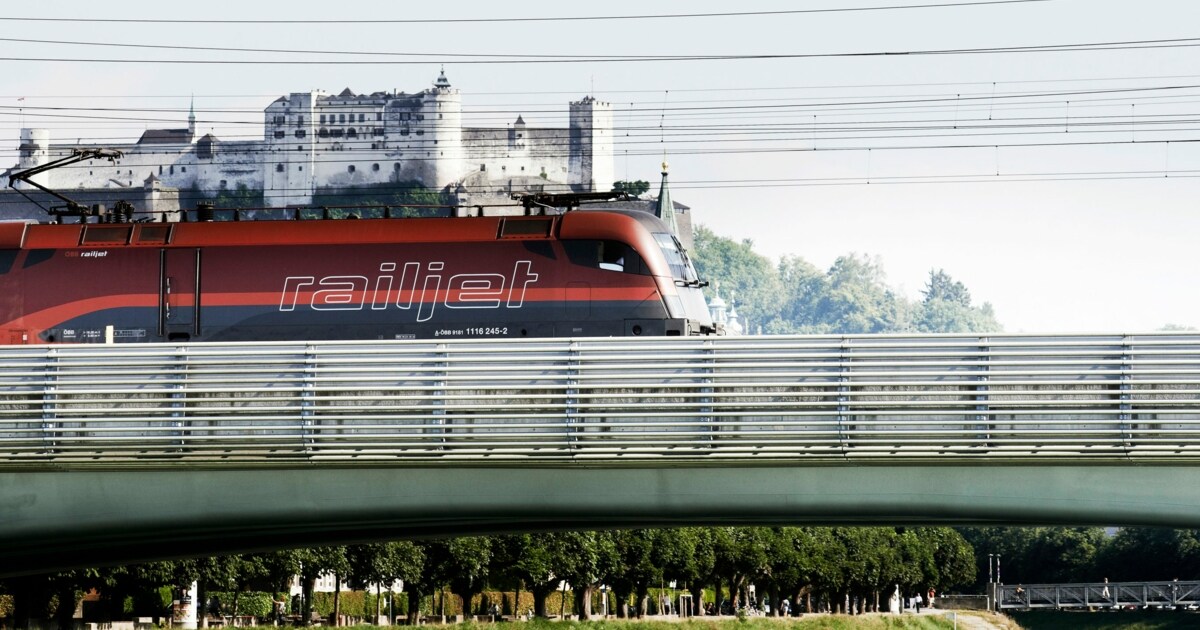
x=192, y=116
x=666, y=209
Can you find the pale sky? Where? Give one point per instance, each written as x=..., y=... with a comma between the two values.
x=1104, y=243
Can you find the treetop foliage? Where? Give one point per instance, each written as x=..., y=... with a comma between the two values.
x=634, y=188
x=792, y=296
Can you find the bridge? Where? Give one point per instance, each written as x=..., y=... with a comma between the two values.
x=1098, y=595
x=117, y=453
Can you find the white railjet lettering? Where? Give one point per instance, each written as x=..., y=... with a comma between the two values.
x=521, y=279
x=475, y=290
x=411, y=270
x=291, y=291
x=428, y=301
x=341, y=294
x=383, y=288
x=423, y=286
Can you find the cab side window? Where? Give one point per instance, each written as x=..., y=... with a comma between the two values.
x=608, y=255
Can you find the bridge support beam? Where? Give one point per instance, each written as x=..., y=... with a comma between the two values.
x=56, y=520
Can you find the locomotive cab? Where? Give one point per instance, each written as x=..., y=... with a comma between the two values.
x=642, y=244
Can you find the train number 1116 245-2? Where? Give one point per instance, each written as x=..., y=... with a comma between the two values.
x=488, y=330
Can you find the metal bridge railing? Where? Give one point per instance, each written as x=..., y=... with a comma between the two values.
x=936, y=398
x=1099, y=595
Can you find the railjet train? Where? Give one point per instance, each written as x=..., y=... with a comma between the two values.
x=581, y=273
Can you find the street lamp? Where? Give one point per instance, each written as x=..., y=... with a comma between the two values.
x=990, y=556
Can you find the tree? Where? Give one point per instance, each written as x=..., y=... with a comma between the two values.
x=317, y=561
x=953, y=558
x=1146, y=553
x=947, y=308
x=637, y=570
x=858, y=299
x=745, y=277
x=633, y=188
x=466, y=567
x=384, y=563
x=942, y=287
x=535, y=560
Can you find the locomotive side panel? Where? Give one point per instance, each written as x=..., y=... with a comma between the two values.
x=415, y=290
x=75, y=295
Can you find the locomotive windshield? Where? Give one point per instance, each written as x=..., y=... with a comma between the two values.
x=681, y=266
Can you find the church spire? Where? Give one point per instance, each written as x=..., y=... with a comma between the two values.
x=192, y=117
x=666, y=209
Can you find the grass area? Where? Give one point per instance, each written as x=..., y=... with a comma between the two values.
x=1104, y=620
x=813, y=622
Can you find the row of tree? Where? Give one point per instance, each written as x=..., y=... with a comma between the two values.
x=792, y=296
x=1055, y=555
x=818, y=568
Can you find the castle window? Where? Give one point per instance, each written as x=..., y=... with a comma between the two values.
x=396, y=167
x=420, y=132
x=172, y=169
x=160, y=169
x=350, y=169
x=278, y=168
x=375, y=167
x=440, y=117
x=300, y=133
x=482, y=167
x=322, y=119
x=378, y=115
x=183, y=169
x=278, y=133
x=324, y=133
x=341, y=118
x=224, y=183
x=300, y=168
x=361, y=117
x=352, y=133
x=378, y=131
x=299, y=121
x=336, y=133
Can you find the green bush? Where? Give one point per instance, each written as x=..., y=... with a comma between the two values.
x=255, y=604
x=6, y=605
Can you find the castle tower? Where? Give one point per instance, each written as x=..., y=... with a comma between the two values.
x=289, y=159
x=590, y=164
x=442, y=109
x=34, y=151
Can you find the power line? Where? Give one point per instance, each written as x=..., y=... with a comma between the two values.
x=372, y=194
x=495, y=59
x=658, y=16
x=741, y=89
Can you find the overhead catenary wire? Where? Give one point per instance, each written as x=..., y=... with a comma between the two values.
x=483, y=20
x=494, y=59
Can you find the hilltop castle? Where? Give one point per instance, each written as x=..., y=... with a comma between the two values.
x=315, y=141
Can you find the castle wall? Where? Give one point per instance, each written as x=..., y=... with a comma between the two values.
x=505, y=153
x=313, y=140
